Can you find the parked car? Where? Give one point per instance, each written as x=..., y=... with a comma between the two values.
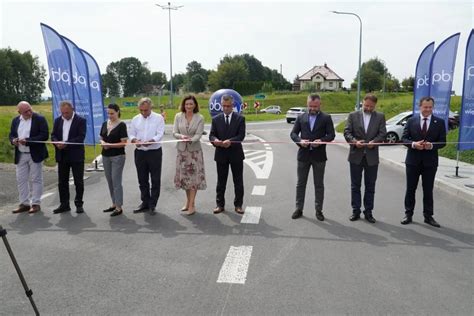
x=293, y=113
x=396, y=124
x=273, y=109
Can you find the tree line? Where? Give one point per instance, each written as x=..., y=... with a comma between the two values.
x=22, y=77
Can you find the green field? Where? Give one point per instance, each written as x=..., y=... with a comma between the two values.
x=340, y=102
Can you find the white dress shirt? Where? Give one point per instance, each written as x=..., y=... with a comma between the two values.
x=428, y=121
x=146, y=129
x=67, y=127
x=230, y=116
x=24, y=129
x=366, y=120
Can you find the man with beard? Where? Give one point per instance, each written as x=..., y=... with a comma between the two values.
x=310, y=129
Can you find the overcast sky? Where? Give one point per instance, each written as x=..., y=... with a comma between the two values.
x=297, y=35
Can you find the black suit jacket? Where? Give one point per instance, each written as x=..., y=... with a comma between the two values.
x=77, y=134
x=235, y=132
x=39, y=132
x=323, y=129
x=412, y=133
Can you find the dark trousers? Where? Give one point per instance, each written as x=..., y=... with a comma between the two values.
x=64, y=168
x=148, y=164
x=318, y=178
x=413, y=174
x=370, y=177
x=237, y=168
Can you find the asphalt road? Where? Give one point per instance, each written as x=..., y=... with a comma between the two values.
x=171, y=264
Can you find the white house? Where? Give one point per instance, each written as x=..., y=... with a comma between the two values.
x=319, y=78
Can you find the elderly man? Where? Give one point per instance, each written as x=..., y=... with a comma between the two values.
x=27, y=132
x=227, y=132
x=363, y=128
x=69, y=128
x=311, y=129
x=146, y=131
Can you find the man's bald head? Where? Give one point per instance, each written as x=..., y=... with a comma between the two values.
x=25, y=110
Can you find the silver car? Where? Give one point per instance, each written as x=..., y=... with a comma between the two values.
x=273, y=109
x=293, y=113
x=395, y=126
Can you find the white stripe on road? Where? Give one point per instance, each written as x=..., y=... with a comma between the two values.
x=259, y=189
x=251, y=215
x=44, y=196
x=236, y=265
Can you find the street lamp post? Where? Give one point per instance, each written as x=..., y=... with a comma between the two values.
x=169, y=8
x=360, y=53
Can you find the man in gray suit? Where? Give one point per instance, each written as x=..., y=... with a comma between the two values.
x=311, y=129
x=362, y=129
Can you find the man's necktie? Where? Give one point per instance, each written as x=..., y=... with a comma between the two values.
x=424, y=130
x=227, y=120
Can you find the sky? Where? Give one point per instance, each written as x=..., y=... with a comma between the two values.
x=295, y=35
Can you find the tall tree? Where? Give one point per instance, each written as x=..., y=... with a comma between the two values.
x=408, y=83
x=196, y=77
x=373, y=73
x=21, y=77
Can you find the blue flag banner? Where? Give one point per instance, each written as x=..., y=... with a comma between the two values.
x=59, y=68
x=466, y=126
x=80, y=85
x=441, y=78
x=422, y=76
x=95, y=86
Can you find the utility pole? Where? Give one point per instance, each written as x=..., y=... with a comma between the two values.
x=169, y=7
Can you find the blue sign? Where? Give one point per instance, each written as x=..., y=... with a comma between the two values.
x=422, y=77
x=215, y=106
x=59, y=68
x=95, y=88
x=466, y=126
x=441, y=78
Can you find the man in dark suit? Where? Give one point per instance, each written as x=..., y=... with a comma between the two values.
x=227, y=131
x=362, y=129
x=27, y=132
x=69, y=128
x=423, y=134
x=310, y=129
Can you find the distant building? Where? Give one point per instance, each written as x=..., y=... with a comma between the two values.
x=318, y=78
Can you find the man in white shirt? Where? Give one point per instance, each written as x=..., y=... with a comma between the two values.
x=27, y=132
x=146, y=131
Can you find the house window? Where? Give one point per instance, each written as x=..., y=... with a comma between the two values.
x=330, y=84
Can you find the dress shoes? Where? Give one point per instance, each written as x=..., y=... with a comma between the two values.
x=140, y=209
x=354, y=217
x=62, y=209
x=218, y=209
x=297, y=214
x=110, y=209
x=370, y=218
x=431, y=221
x=34, y=208
x=79, y=209
x=116, y=213
x=152, y=211
x=21, y=208
x=319, y=216
x=238, y=210
x=406, y=220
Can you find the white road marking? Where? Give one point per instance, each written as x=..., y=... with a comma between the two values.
x=259, y=189
x=236, y=264
x=44, y=196
x=251, y=215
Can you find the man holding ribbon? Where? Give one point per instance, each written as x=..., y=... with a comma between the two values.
x=424, y=134
x=28, y=132
x=363, y=128
x=311, y=129
x=69, y=132
x=146, y=132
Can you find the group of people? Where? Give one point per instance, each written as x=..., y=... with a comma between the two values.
x=29, y=134
x=365, y=130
